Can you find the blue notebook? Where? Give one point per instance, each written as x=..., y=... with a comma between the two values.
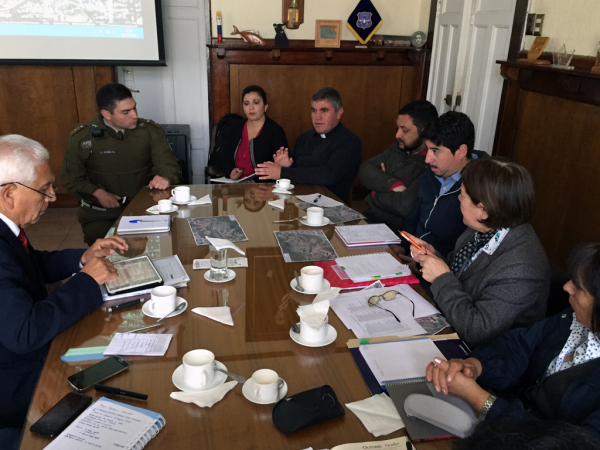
x=108, y=424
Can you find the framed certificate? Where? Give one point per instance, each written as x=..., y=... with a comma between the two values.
x=134, y=274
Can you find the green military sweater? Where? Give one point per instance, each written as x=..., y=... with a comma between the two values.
x=98, y=157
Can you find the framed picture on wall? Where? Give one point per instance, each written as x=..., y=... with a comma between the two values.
x=328, y=33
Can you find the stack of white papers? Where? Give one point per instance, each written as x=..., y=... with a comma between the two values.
x=144, y=224
x=372, y=266
x=319, y=200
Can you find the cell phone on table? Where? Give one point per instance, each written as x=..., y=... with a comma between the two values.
x=98, y=372
x=61, y=415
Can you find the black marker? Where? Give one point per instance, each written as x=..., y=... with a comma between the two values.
x=317, y=198
x=125, y=305
x=119, y=391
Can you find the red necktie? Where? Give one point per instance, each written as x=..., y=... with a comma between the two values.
x=23, y=239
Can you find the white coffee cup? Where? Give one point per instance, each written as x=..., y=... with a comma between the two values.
x=283, y=183
x=198, y=368
x=181, y=193
x=311, y=278
x=264, y=384
x=165, y=205
x=163, y=300
x=314, y=215
x=310, y=335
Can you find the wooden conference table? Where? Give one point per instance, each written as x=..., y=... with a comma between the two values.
x=263, y=308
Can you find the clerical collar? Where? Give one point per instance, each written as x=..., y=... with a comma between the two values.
x=109, y=125
x=324, y=135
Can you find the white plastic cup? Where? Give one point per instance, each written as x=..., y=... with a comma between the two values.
x=264, y=384
x=314, y=215
x=283, y=183
x=165, y=205
x=181, y=193
x=198, y=368
x=310, y=335
x=311, y=278
x=163, y=300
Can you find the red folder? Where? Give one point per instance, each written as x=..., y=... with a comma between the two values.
x=335, y=281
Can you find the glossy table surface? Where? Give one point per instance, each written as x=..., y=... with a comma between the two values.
x=263, y=307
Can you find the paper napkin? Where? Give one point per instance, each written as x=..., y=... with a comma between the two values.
x=314, y=314
x=204, y=399
x=219, y=313
x=224, y=243
x=279, y=204
x=378, y=414
x=206, y=200
x=327, y=295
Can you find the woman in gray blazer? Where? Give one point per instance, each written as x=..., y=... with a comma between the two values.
x=497, y=277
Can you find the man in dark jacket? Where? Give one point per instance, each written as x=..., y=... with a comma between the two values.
x=330, y=154
x=437, y=218
x=31, y=317
x=393, y=176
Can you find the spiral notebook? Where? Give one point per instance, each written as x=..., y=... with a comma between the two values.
x=372, y=266
x=109, y=424
x=363, y=235
x=400, y=367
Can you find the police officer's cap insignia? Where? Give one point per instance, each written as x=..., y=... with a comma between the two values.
x=86, y=144
x=364, y=20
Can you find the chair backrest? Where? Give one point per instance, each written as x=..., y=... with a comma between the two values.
x=213, y=168
x=558, y=299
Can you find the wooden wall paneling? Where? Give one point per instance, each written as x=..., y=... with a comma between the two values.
x=555, y=141
x=406, y=89
x=39, y=103
x=235, y=91
x=219, y=94
x=508, y=113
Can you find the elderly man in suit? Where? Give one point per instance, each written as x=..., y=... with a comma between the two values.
x=31, y=317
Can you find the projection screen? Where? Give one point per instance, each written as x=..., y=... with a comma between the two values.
x=115, y=32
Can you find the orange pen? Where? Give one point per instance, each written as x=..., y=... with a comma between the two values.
x=405, y=236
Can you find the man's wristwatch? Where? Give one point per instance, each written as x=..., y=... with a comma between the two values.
x=487, y=405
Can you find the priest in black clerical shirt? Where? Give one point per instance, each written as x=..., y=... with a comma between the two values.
x=329, y=155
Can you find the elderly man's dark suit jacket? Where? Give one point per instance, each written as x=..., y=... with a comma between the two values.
x=30, y=318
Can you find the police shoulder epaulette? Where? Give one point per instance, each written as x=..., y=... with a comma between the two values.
x=150, y=122
x=78, y=128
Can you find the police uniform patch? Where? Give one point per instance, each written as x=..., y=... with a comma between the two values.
x=86, y=144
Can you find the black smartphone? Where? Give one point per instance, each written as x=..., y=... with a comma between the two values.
x=61, y=415
x=98, y=372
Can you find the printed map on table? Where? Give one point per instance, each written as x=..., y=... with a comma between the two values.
x=336, y=214
x=305, y=245
x=221, y=227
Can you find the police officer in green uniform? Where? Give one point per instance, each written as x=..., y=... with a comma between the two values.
x=110, y=158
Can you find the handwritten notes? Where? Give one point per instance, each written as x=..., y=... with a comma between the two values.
x=138, y=344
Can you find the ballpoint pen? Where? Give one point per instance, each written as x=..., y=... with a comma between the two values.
x=125, y=305
x=139, y=220
x=317, y=198
x=119, y=391
x=417, y=246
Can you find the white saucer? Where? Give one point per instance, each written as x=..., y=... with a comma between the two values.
x=326, y=287
x=303, y=221
x=154, y=210
x=290, y=187
x=147, y=312
x=230, y=276
x=247, y=391
x=281, y=191
x=217, y=381
x=329, y=338
x=192, y=199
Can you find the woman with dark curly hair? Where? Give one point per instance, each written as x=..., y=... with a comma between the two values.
x=550, y=370
x=498, y=276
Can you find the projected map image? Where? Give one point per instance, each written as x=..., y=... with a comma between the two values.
x=73, y=18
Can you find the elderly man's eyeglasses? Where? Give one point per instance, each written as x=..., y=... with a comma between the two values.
x=389, y=295
x=52, y=187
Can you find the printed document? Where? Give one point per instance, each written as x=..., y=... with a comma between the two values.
x=141, y=344
x=321, y=200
